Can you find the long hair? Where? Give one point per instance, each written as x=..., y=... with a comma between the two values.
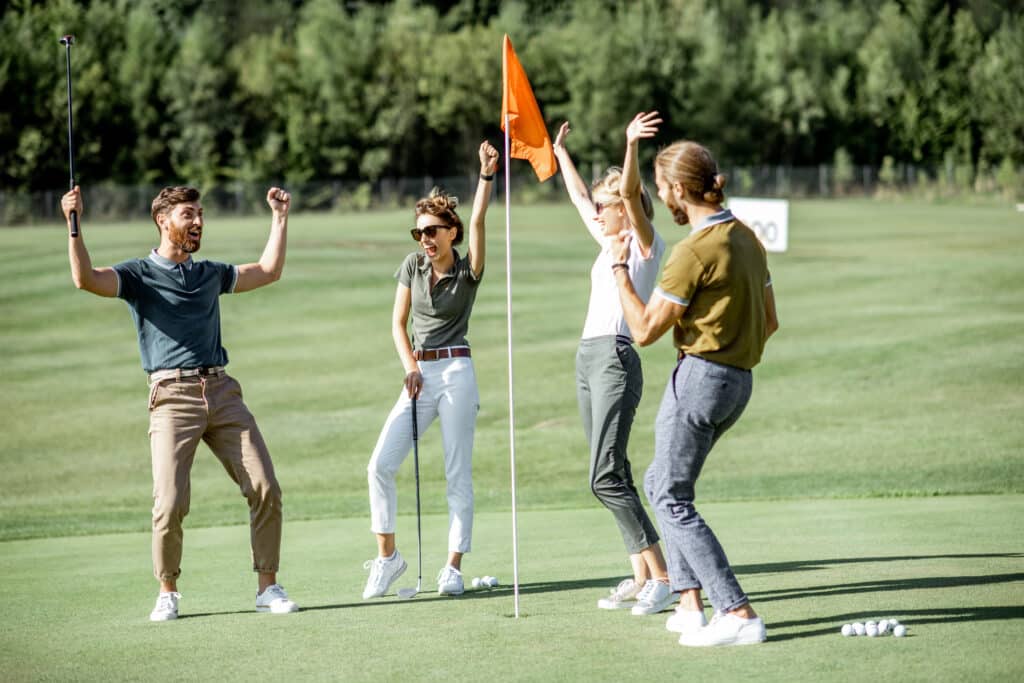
x=691, y=165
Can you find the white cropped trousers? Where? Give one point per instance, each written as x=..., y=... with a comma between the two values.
x=449, y=392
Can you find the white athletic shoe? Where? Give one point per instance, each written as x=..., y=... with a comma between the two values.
x=622, y=596
x=273, y=599
x=686, y=621
x=654, y=597
x=166, y=607
x=449, y=581
x=726, y=629
x=383, y=573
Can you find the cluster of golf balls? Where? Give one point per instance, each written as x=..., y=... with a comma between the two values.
x=872, y=628
x=484, y=582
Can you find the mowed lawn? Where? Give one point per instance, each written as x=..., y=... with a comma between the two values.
x=857, y=486
x=897, y=370
x=950, y=568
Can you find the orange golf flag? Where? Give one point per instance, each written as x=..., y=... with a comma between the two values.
x=527, y=133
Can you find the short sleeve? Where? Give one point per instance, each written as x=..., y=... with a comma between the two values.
x=129, y=279
x=228, y=276
x=405, y=271
x=681, y=275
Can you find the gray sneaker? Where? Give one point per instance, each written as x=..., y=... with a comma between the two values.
x=449, y=581
x=383, y=573
x=654, y=597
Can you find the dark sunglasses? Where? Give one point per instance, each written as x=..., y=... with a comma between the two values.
x=430, y=231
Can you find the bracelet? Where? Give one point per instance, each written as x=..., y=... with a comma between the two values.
x=620, y=265
x=487, y=177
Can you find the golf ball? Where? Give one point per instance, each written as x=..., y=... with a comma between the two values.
x=492, y=581
x=871, y=630
x=883, y=627
x=847, y=630
x=899, y=631
x=476, y=582
x=858, y=628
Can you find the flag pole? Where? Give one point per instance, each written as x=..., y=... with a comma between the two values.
x=511, y=393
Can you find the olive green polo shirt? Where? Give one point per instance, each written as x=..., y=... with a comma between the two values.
x=720, y=274
x=440, y=315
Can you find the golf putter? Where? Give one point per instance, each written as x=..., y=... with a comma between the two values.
x=67, y=41
x=406, y=593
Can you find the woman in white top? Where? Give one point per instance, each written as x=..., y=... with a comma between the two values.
x=609, y=379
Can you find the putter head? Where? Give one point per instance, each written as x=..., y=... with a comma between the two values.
x=67, y=40
x=406, y=593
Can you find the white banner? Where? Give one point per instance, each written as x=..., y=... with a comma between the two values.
x=769, y=218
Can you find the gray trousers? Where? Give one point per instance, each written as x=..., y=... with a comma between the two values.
x=609, y=384
x=702, y=400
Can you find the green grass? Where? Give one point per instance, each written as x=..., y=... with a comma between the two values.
x=950, y=568
x=897, y=370
x=892, y=388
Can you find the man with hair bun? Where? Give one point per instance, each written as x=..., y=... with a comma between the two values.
x=174, y=301
x=438, y=286
x=716, y=296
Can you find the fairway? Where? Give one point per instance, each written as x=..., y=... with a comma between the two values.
x=878, y=470
x=75, y=609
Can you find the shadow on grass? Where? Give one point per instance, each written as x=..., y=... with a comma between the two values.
x=913, y=618
x=429, y=595
x=810, y=565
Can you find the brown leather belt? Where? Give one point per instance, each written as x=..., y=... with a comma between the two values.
x=440, y=354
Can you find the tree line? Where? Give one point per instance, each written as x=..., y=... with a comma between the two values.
x=214, y=91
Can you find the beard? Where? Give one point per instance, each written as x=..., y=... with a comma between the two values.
x=180, y=238
x=679, y=214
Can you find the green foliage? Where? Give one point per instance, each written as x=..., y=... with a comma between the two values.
x=208, y=91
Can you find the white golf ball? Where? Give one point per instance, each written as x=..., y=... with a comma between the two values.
x=492, y=581
x=869, y=623
x=858, y=628
x=847, y=630
x=883, y=627
x=871, y=629
x=476, y=582
x=899, y=631
x=892, y=622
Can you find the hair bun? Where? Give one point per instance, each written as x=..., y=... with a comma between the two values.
x=442, y=199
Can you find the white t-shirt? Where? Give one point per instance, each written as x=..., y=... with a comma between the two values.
x=604, y=312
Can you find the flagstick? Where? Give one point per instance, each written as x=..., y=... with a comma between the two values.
x=511, y=394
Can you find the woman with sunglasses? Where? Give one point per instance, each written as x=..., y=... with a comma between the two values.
x=438, y=287
x=609, y=379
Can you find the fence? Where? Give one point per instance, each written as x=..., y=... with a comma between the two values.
x=119, y=202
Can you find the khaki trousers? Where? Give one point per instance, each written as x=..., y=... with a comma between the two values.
x=181, y=412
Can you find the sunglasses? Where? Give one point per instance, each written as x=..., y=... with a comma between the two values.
x=430, y=231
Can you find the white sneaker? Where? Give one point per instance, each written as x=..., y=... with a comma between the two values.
x=654, y=597
x=166, y=607
x=686, y=621
x=273, y=599
x=449, y=581
x=622, y=596
x=726, y=629
x=383, y=573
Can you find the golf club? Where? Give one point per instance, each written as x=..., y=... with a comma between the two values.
x=406, y=593
x=67, y=41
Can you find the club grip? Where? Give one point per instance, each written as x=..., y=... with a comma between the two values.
x=74, y=224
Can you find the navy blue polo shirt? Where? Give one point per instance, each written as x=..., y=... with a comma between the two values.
x=176, y=309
